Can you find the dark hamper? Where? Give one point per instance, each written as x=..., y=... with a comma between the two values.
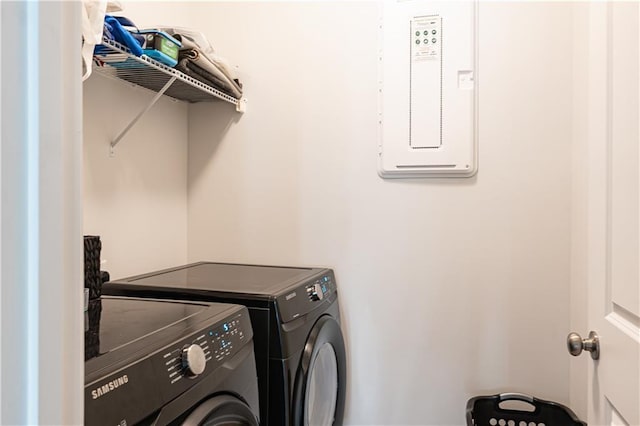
x=92, y=276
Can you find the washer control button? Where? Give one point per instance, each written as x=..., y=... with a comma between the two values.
x=193, y=360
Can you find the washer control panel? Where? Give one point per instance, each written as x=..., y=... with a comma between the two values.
x=176, y=357
x=194, y=355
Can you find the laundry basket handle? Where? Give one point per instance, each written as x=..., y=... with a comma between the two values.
x=481, y=409
x=517, y=396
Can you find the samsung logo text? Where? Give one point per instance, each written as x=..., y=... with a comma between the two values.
x=109, y=386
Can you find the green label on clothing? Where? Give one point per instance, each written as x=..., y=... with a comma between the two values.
x=168, y=47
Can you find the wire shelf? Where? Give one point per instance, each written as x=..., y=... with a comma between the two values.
x=117, y=61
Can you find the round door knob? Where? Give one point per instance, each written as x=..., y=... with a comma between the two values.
x=576, y=344
x=193, y=360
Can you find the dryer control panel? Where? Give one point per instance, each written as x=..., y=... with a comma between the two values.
x=319, y=288
x=307, y=297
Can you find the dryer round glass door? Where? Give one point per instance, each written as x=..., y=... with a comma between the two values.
x=323, y=387
x=320, y=385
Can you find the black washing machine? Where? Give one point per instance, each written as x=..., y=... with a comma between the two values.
x=299, y=347
x=165, y=362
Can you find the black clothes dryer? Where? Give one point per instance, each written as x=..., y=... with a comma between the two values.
x=164, y=362
x=299, y=347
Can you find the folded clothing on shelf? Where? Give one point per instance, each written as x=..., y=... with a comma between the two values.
x=186, y=50
x=198, y=60
x=198, y=66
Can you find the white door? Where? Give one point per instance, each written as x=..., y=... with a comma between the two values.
x=613, y=215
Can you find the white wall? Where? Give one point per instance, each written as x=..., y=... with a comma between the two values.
x=449, y=288
x=137, y=200
x=473, y=274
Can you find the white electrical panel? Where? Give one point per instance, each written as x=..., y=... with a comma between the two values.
x=427, y=79
x=425, y=88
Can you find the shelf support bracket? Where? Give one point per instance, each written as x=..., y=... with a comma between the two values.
x=140, y=114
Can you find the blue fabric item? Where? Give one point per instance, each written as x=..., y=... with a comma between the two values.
x=126, y=22
x=114, y=29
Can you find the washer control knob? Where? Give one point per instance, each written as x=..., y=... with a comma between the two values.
x=315, y=292
x=193, y=360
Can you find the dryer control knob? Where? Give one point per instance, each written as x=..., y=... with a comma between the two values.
x=315, y=292
x=193, y=360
